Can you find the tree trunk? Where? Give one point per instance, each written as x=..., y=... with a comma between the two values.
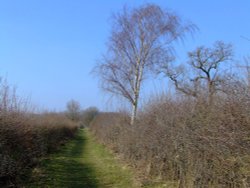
x=134, y=112
x=136, y=89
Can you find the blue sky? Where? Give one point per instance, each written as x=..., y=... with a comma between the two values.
x=49, y=47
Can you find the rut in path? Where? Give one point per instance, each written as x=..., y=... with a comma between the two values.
x=82, y=163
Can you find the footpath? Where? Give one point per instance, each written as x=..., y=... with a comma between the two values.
x=82, y=163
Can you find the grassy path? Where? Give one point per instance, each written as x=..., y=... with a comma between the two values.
x=82, y=163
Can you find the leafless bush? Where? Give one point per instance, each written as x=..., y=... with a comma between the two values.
x=193, y=143
x=108, y=127
x=26, y=137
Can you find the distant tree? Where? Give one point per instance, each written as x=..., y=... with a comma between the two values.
x=73, y=110
x=206, y=76
x=88, y=115
x=141, y=39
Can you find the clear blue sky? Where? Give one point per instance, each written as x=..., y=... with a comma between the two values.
x=48, y=47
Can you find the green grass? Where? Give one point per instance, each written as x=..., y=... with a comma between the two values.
x=82, y=163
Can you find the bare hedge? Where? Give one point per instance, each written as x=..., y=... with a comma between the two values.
x=186, y=141
x=25, y=137
x=23, y=141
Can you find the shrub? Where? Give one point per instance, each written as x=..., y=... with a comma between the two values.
x=26, y=137
x=182, y=140
x=24, y=140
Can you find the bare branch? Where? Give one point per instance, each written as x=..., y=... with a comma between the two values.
x=206, y=78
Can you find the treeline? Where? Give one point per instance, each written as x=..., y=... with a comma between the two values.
x=25, y=137
x=83, y=116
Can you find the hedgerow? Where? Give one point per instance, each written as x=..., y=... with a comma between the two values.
x=25, y=137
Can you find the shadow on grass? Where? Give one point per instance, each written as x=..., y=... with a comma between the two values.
x=66, y=168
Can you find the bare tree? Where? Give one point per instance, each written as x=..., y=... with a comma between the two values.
x=141, y=39
x=206, y=76
x=247, y=70
x=73, y=110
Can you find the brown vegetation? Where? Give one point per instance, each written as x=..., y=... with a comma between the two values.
x=26, y=137
x=200, y=136
x=188, y=141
